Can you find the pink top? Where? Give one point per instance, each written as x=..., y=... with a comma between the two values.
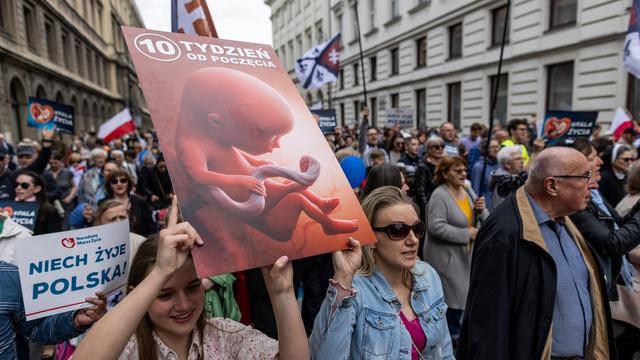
x=417, y=335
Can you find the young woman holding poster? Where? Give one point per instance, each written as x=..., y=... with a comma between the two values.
x=162, y=317
x=383, y=302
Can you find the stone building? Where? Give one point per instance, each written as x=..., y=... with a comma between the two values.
x=439, y=58
x=68, y=51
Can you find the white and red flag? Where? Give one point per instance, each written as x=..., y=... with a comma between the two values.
x=192, y=17
x=620, y=122
x=117, y=127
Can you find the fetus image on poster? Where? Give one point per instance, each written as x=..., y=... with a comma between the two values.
x=228, y=119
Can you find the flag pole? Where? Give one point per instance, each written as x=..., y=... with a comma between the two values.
x=364, y=82
x=174, y=16
x=494, y=97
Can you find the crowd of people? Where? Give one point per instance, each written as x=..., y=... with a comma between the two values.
x=491, y=245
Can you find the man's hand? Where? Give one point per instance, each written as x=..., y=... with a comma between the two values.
x=365, y=113
x=47, y=134
x=88, y=316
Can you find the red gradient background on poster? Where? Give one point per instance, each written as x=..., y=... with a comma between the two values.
x=165, y=63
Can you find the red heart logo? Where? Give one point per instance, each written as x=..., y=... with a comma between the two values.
x=41, y=113
x=555, y=128
x=7, y=210
x=68, y=242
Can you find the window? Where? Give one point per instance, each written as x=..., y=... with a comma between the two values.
x=66, y=49
x=342, y=119
x=50, y=34
x=563, y=12
x=356, y=67
x=372, y=14
x=498, y=16
x=356, y=109
x=291, y=55
x=319, y=32
x=283, y=56
x=341, y=77
x=99, y=19
x=395, y=61
x=395, y=101
x=98, y=65
x=421, y=107
x=395, y=12
x=5, y=15
x=373, y=67
x=89, y=64
x=373, y=110
x=453, y=103
x=500, y=113
x=339, y=22
x=29, y=26
x=455, y=41
x=79, y=63
x=299, y=44
x=421, y=52
x=560, y=86
x=309, y=38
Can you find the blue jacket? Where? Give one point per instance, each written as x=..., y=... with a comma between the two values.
x=367, y=326
x=49, y=330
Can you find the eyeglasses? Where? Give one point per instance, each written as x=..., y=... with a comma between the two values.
x=399, y=143
x=400, y=231
x=437, y=146
x=119, y=180
x=627, y=159
x=586, y=177
x=23, y=185
x=460, y=171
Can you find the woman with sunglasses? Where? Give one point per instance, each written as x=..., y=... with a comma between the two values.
x=119, y=186
x=453, y=215
x=31, y=188
x=423, y=179
x=383, y=302
x=617, y=161
x=397, y=150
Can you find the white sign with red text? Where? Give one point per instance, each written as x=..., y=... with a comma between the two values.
x=59, y=271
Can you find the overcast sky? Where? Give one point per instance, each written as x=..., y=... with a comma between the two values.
x=244, y=20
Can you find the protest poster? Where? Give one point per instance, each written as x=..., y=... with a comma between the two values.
x=58, y=271
x=24, y=213
x=47, y=114
x=250, y=166
x=559, y=126
x=399, y=116
x=326, y=119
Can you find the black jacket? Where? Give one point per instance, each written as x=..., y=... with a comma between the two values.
x=512, y=291
x=612, y=188
x=607, y=244
x=424, y=185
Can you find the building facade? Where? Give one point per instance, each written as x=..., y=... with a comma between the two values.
x=439, y=59
x=68, y=51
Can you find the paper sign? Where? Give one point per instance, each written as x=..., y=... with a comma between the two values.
x=24, y=213
x=59, y=270
x=562, y=125
x=326, y=119
x=400, y=116
x=43, y=113
x=249, y=164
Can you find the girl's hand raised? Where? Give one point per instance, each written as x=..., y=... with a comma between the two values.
x=175, y=243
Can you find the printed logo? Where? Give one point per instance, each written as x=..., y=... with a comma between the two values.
x=68, y=242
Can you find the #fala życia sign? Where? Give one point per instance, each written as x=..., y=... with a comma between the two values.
x=45, y=114
x=24, y=213
x=326, y=120
x=58, y=271
x=560, y=126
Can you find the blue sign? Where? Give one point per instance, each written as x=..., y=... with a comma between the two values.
x=326, y=119
x=47, y=114
x=24, y=213
x=563, y=125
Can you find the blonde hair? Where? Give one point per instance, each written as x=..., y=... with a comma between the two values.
x=379, y=199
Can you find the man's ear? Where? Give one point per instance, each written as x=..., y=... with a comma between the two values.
x=214, y=120
x=551, y=186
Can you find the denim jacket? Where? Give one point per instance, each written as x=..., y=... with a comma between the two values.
x=367, y=325
x=49, y=330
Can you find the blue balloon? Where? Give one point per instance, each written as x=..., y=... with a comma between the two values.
x=354, y=169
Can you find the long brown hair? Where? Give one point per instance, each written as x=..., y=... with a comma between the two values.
x=140, y=267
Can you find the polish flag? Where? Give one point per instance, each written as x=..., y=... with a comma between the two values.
x=117, y=127
x=192, y=17
x=621, y=122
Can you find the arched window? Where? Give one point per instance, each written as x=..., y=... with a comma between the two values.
x=60, y=98
x=321, y=99
x=41, y=93
x=18, y=108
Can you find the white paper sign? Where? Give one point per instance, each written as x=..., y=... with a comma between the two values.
x=59, y=270
x=400, y=116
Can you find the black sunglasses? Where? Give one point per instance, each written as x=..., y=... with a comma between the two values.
x=437, y=146
x=23, y=185
x=400, y=231
x=119, y=180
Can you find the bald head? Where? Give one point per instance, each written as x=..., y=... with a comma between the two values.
x=555, y=161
